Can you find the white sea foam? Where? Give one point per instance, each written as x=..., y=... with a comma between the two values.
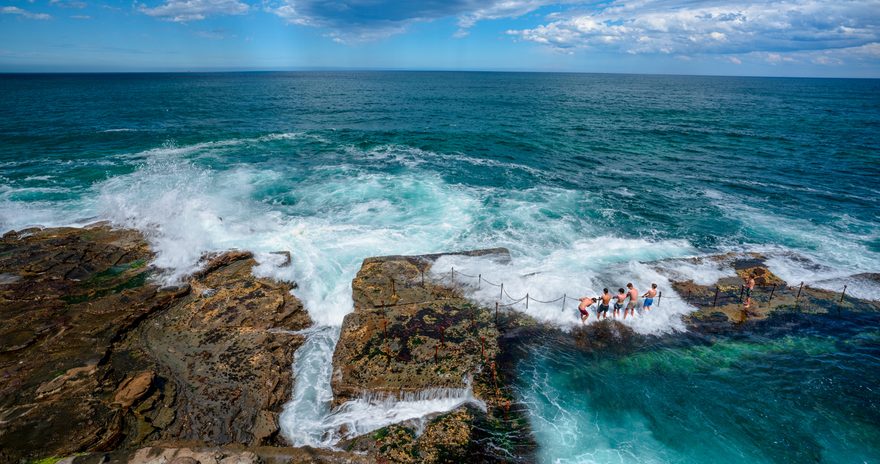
x=801, y=251
x=700, y=271
x=583, y=269
x=372, y=412
x=331, y=218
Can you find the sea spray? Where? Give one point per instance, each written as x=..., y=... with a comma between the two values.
x=585, y=194
x=374, y=411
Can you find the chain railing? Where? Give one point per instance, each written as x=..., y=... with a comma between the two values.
x=695, y=300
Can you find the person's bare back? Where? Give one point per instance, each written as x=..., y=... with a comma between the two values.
x=584, y=306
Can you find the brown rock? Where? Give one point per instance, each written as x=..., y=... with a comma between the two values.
x=184, y=460
x=133, y=389
x=406, y=336
x=72, y=294
x=94, y=356
x=771, y=294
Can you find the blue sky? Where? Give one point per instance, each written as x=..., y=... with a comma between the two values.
x=839, y=38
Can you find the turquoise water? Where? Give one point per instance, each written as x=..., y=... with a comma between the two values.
x=585, y=178
x=806, y=393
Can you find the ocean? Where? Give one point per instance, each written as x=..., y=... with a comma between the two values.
x=586, y=178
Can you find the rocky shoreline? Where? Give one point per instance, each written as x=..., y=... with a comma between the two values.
x=100, y=364
x=408, y=334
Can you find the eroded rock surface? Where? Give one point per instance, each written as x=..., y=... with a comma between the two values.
x=94, y=356
x=409, y=334
x=198, y=453
x=726, y=300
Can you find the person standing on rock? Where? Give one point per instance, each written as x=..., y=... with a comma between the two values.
x=618, y=303
x=633, y=296
x=750, y=285
x=603, y=306
x=649, y=297
x=584, y=307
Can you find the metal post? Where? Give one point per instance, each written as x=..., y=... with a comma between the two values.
x=502, y=292
x=393, y=288
x=479, y=280
x=385, y=329
x=771, y=294
x=453, y=277
x=843, y=293
x=715, y=302
x=563, y=302
x=496, y=313
x=798, y=297
x=658, y=299
x=423, y=277
x=687, y=297
x=527, y=301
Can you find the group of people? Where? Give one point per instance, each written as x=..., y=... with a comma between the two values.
x=606, y=298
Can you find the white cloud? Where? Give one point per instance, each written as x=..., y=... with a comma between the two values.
x=68, y=4
x=714, y=26
x=364, y=20
x=194, y=10
x=214, y=34
x=14, y=10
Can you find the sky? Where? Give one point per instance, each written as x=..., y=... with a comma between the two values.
x=815, y=38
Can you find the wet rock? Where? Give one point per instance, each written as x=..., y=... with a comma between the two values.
x=133, y=389
x=407, y=337
x=285, y=258
x=75, y=292
x=192, y=456
x=188, y=452
x=409, y=334
x=726, y=301
x=94, y=356
x=226, y=372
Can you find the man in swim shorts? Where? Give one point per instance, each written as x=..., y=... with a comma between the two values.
x=618, y=302
x=750, y=285
x=603, y=305
x=649, y=297
x=584, y=307
x=633, y=296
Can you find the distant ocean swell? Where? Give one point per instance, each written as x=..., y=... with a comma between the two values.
x=579, y=209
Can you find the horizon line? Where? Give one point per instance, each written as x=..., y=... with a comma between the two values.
x=404, y=70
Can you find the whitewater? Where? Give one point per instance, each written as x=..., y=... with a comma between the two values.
x=345, y=213
x=584, y=197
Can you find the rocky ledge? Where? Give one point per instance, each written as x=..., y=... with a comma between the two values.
x=410, y=334
x=100, y=364
x=94, y=356
x=726, y=301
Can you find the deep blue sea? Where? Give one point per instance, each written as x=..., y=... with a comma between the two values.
x=587, y=179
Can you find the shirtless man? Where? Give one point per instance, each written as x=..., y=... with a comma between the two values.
x=649, y=297
x=584, y=307
x=603, y=306
x=618, y=303
x=633, y=296
x=750, y=285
